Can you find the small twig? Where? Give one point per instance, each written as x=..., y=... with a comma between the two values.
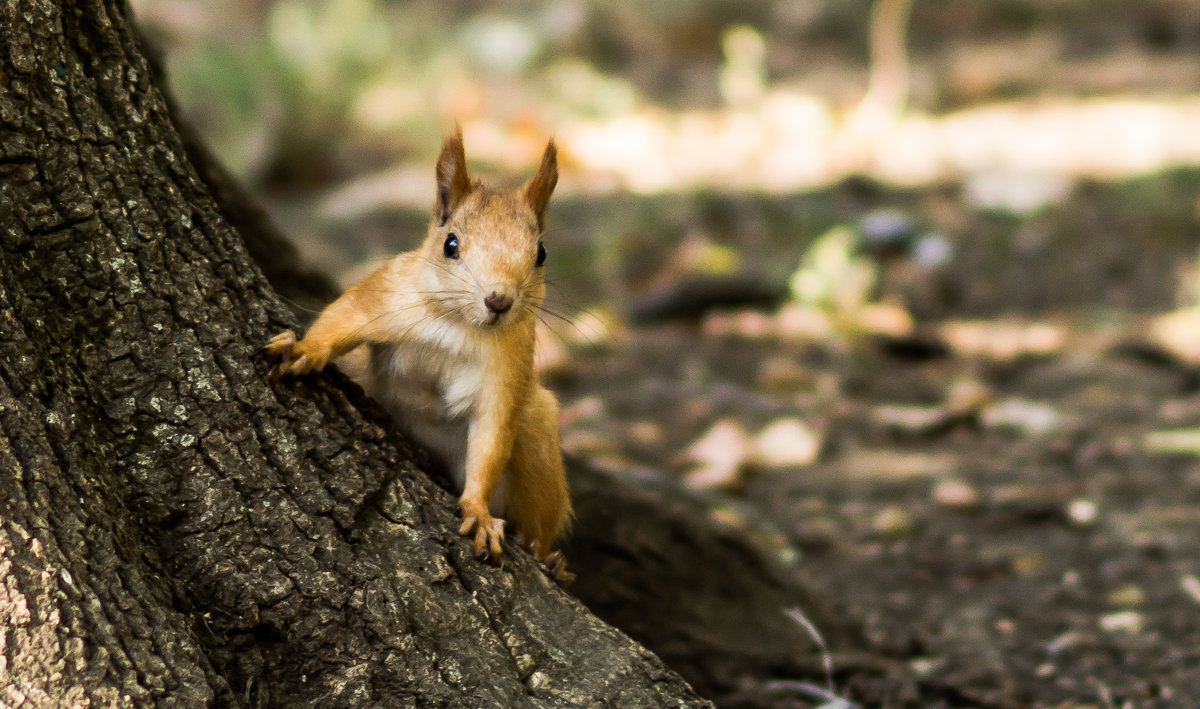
x=826, y=657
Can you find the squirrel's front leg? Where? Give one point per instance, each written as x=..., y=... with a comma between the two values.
x=489, y=447
x=345, y=324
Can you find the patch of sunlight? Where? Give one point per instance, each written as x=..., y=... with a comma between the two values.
x=1178, y=332
x=1003, y=339
x=791, y=141
x=890, y=464
x=1183, y=440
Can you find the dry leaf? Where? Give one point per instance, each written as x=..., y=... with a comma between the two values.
x=718, y=456
x=786, y=442
x=1021, y=415
x=955, y=494
x=1003, y=340
x=1179, y=333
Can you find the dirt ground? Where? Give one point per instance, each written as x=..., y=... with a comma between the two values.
x=990, y=499
x=1007, y=567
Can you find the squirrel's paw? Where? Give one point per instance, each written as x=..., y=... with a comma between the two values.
x=556, y=567
x=295, y=361
x=487, y=530
x=280, y=345
x=554, y=564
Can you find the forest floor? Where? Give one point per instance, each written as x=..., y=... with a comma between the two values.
x=1027, y=549
x=1006, y=498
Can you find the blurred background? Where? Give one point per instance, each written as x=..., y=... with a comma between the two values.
x=727, y=136
x=873, y=275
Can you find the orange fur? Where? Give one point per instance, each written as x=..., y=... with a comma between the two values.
x=429, y=337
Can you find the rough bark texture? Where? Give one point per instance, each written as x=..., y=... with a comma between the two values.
x=173, y=529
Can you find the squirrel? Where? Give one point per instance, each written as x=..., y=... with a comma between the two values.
x=443, y=337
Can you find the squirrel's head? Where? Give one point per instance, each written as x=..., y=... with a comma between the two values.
x=484, y=249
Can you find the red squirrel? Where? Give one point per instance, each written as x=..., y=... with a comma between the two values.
x=443, y=337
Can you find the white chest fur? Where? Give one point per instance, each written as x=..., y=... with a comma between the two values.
x=430, y=384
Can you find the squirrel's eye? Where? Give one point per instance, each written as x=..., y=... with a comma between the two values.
x=450, y=248
x=541, y=257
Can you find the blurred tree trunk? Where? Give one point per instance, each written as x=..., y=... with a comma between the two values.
x=871, y=123
x=887, y=89
x=175, y=530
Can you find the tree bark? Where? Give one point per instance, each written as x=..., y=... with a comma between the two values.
x=175, y=530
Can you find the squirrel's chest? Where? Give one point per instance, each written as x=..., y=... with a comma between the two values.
x=434, y=384
x=431, y=393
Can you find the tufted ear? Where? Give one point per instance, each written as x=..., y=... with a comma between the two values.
x=453, y=182
x=541, y=186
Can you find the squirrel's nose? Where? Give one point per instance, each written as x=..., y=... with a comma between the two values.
x=498, y=303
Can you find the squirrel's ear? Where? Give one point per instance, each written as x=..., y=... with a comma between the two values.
x=453, y=182
x=541, y=186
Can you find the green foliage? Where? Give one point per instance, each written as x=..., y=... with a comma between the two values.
x=232, y=104
x=832, y=276
x=289, y=93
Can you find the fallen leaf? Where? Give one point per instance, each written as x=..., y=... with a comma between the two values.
x=1021, y=415
x=1179, y=333
x=786, y=442
x=968, y=395
x=1003, y=340
x=1122, y=622
x=955, y=494
x=888, y=464
x=714, y=477
x=718, y=456
x=1191, y=586
x=1127, y=596
x=586, y=443
x=893, y=521
x=595, y=327
x=910, y=419
x=802, y=322
x=1082, y=512
x=886, y=319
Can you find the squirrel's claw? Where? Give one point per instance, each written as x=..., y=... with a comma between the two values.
x=284, y=346
x=294, y=368
x=554, y=564
x=280, y=345
x=488, y=532
x=301, y=365
x=556, y=568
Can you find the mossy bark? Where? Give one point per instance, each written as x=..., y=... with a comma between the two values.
x=176, y=530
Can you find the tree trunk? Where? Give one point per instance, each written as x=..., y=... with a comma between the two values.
x=173, y=528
